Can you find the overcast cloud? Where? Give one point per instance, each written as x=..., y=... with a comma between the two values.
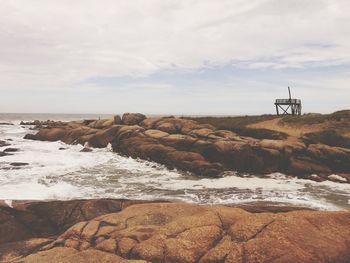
x=173, y=57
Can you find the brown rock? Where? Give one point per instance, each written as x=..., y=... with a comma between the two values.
x=117, y=120
x=108, y=245
x=178, y=232
x=68, y=255
x=132, y=118
x=156, y=134
x=150, y=123
x=48, y=134
x=101, y=138
x=86, y=150
x=336, y=158
x=101, y=124
x=179, y=141
x=173, y=125
x=307, y=166
x=43, y=219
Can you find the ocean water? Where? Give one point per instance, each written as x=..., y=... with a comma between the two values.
x=70, y=174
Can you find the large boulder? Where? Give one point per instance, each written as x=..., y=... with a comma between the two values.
x=178, y=232
x=132, y=118
x=48, y=134
x=101, y=138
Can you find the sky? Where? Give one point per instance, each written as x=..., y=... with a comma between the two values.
x=196, y=57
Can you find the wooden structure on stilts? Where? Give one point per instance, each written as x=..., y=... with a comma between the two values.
x=288, y=106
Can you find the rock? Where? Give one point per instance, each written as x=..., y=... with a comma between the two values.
x=179, y=141
x=307, y=166
x=337, y=178
x=101, y=124
x=62, y=148
x=117, y=119
x=48, y=134
x=201, y=133
x=2, y=154
x=150, y=123
x=138, y=146
x=28, y=220
x=204, y=149
x=173, y=125
x=6, y=123
x=132, y=118
x=285, y=146
x=86, y=150
x=13, y=250
x=11, y=150
x=4, y=143
x=71, y=255
x=336, y=158
x=19, y=164
x=156, y=134
x=101, y=138
x=179, y=232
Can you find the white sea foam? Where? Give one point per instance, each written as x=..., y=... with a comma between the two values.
x=67, y=174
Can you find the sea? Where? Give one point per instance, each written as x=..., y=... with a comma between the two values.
x=57, y=171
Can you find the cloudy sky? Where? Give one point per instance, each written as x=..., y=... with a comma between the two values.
x=173, y=56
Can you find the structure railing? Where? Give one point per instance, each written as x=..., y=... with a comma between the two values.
x=288, y=101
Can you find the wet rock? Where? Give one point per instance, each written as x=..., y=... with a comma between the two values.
x=86, y=149
x=6, y=123
x=2, y=154
x=19, y=164
x=132, y=118
x=4, y=143
x=337, y=178
x=11, y=150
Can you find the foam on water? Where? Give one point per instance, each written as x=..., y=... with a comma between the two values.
x=68, y=174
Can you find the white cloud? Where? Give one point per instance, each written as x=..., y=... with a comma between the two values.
x=57, y=44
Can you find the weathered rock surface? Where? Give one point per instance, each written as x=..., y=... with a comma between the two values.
x=204, y=150
x=42, y=219
x=178, y=232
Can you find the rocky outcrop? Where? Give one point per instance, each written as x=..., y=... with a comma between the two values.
x=25, y=220
x=178, y=232
x=202, y=149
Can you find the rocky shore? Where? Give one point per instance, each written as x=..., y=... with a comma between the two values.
x=137, y=231
x=317, y=148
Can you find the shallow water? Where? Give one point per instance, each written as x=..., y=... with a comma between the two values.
x=67, y=174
